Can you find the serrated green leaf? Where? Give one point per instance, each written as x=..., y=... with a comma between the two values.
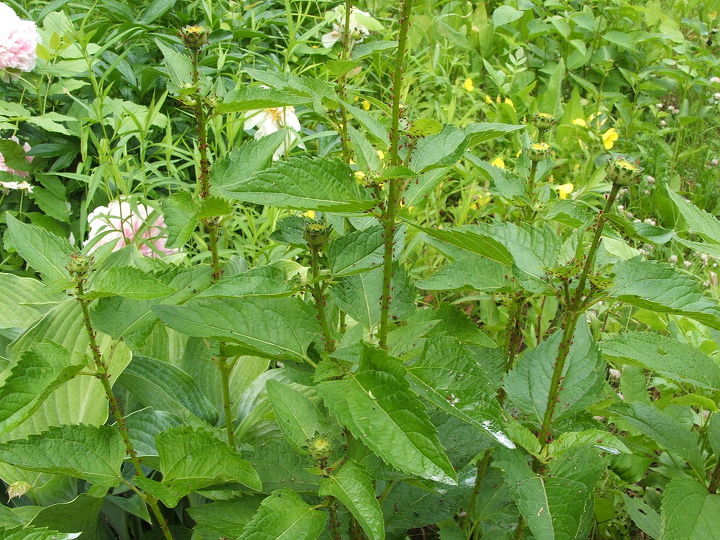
x=281, y=328
x=678, y=361
x=558, y=505
x=303, y=183
x=474, y=240
x=356, y=251
x=225, y=518
x=602, y=440
x=298, y=418
x=668, y=432
x=181, y=216
x=262, y=281
x=662, y=288
x=697, y=220
x=45, y=252
x=284, y=515
x=352, y=486
x=93, y=453
x=193, y=459
x=178, y=65
x=367, y=157
x=408, y=506
x=35, y=533
x=689, y=512
x=241, y=163
x=528, y=384
x=378, y=407
x=128, y=282
x=40, y=370
x=469, y=271
x=251, y=98
x=644, y=516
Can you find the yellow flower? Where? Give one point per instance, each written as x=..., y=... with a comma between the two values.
x=366, y=105
x=498, y=162
x=381, y=154
x=468, y=85
x=609, y=138
x=564, y=190
x=580, y=122
x=488, y=100
x=508, y=101
x=309, y=214
x=359, y=175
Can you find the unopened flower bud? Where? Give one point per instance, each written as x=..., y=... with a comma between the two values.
x=714, y=162
x=544, y=121
x=663, y=123
x=538, y=151
x=194, y=36
x=673, y=259
x=317, y=235
x=79, y=265
x=622, y=171
x=17, y=489
x=649, y=179
x=320, y=447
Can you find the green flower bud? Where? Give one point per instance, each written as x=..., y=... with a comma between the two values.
x=544, y=121
x=623, y=172
x=317, y=235
x=79, y=265
x=539, y=151
x=194, y=36
x=320, y=447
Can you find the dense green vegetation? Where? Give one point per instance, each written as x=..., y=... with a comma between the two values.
x=312, y=269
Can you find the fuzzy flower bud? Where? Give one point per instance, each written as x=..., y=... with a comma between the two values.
x=544, y=121
x=538, y=151
x=623, y=172
x=317, y=235
x=194, y=36
x=79, y=265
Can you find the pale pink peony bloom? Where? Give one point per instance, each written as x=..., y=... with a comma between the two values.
x=4, y=168
x=126, y=224
x=18, y=41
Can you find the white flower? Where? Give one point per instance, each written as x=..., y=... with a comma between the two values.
x=358, y=29
x=269, y=121
x=17, y=185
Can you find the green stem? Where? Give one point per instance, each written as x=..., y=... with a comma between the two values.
x=334, y=520
x=225, y=371
x=519, y=533
x=571, y=315
x=715, y=478
x=481, y=469
x=394, y=184
x=104, y=376
x=342, y=82
x=319, y=297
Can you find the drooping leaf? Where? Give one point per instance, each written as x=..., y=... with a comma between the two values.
x=378, y=407
x=668, y=432
x=697, y=220
x=40, y=370
x=303, y=183
x=673, y=359
x=281, y=328
x=232, y=170
x=469, y=272
x=284, y=515
x=356, y=251
x=181, y=214
x=560, y=504
x=689, y=512
x=128, y=282
x=192, y=459
x=352, y=486
x=643, y=515
x=24, y=300
x=93, y=453
x=43, y=251
x=528, y=383
x=262, y=281
x=177, y=64
x=662, y=288
x=298, y=417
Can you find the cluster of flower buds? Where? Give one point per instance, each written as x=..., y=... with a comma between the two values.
x=194, y=36
x=79, y=265
x=622, y=171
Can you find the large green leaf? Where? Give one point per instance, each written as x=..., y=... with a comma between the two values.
x=356, y=251
x=297, y=416
x=45, y=252
x=78, y=515
x=662, y=288
x=266, y=281
x=474, y=239
x=93, y=453
x=225, y=518
x=303, y=183
x=378, y=406
x=249, y=98
x=643, y=515
x=284, y=515
x=193, y=459
x=128, y=282
x=468, y=271
x=697, y=220
x=673, y=359
x=528, y=384
x=669, y=433
x=232, y=170
x=40, y=370
x=352, y=486
x=181, y=217
x=24, y=300
x=163, y=386
x=558, y=506
x=279, y=328
x=689, y=512
x=35, y=533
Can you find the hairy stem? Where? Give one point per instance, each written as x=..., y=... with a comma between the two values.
x=103, y=374
x=342, y=82
x=225, y=371
x=395, y=185
x=319, y=297
x=715, y=478
x=571, y=315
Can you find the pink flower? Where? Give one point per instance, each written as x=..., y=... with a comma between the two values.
x=126, y=224
x=5, y=168
x=18, y=41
